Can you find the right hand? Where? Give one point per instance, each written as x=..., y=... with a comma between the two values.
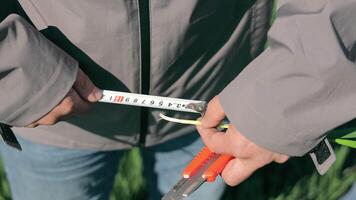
x=248, y=156
x=78, y=100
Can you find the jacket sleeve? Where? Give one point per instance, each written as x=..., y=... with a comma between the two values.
x=304, y=84
x=35, y=75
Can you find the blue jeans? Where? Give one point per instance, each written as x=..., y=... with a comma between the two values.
x=42, y=172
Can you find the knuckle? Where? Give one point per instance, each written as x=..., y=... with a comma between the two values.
x=210, y=104
x=33, y=125
x=230, y=181
x=69, y=108
x=50, y=121
x=281, y=159
x=85, y=81
x=68, y=105
x=80, y=81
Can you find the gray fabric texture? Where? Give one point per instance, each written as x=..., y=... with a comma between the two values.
x=196, y=48
x=286, y=100
x=304, y=84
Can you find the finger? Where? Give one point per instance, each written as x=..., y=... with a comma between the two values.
x=237, y=170
x=214, y=114
x=280, y=158
x=33, y=125
x=71, y=103
x=242, y=147
x=86, y=89
x=65, y=107
x=214, y=140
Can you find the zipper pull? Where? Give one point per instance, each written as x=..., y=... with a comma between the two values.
x=9, y=137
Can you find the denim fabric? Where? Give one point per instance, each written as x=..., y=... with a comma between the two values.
x=42, y=172
x=164, y=165
x=351, y=194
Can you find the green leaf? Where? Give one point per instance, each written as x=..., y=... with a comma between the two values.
x=350, y=135
x=349, y=143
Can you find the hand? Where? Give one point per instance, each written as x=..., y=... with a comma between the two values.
x=78, y=100
x=248, y=156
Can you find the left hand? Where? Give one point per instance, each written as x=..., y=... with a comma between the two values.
x=248, y=156
x=77, y=100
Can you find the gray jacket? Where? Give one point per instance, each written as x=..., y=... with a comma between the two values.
x=285, y=100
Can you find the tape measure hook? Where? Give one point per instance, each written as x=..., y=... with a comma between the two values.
x=199, y=107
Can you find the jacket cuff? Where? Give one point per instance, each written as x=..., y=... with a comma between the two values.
x=37, y=74
x=46, y=98
x=258, y=128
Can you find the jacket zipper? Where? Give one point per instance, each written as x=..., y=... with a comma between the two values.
x=144, y=14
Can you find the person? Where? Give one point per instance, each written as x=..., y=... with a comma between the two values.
x=57, y=56
x=280, y=105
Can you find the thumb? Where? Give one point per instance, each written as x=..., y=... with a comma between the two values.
x=86, y=88
x=214, y=114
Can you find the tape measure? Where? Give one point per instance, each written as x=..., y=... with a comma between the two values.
x=142, y=100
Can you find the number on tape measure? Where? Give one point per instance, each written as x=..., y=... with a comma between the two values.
x=149, y=101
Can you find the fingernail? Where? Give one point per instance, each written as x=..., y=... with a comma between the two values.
x=98, y=94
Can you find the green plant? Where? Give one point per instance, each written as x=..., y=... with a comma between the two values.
x=4, y=186
x=129, y=182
